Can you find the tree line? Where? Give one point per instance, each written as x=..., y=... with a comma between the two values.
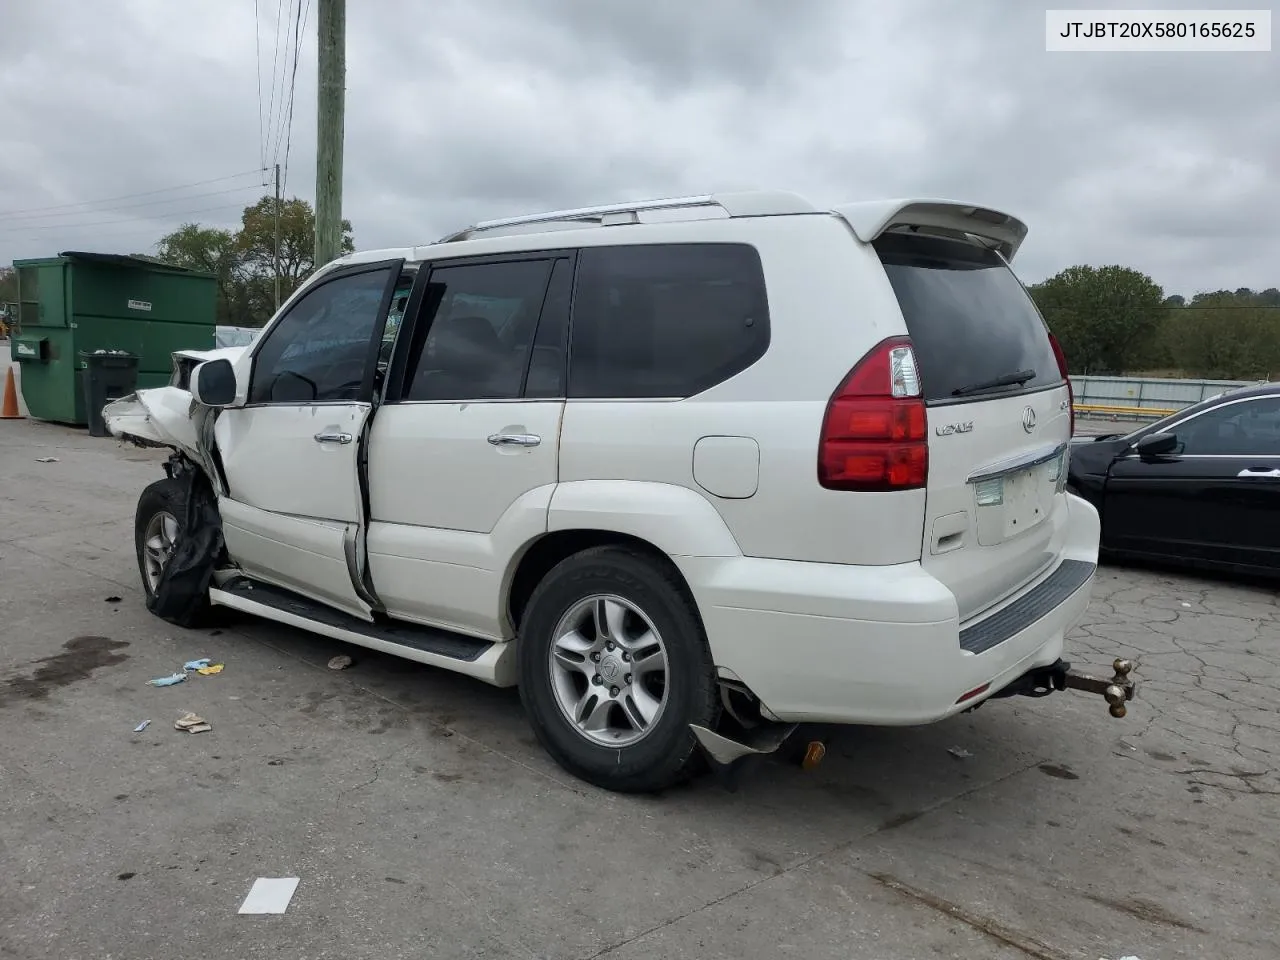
x=1117, y=320
x=243, y=260
x=1109, y=320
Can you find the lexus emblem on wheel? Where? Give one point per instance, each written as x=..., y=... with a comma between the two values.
x=1028, y=419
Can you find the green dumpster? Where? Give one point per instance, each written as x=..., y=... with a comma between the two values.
x=77, y=304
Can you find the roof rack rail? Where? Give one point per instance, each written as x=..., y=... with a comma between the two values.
x=759, y=203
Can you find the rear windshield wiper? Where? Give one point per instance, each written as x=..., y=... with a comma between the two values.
x=1015, y=379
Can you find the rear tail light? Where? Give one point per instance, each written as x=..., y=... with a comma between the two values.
x=874, y=432
x=1062, y=369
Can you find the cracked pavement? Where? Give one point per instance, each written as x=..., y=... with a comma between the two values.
x=423, y=820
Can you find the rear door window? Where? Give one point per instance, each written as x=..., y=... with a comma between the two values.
x=478, y=343
x=665, y=320
x=974, y=328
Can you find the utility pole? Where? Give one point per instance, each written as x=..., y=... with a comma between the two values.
x=277, y=238
x=330, y=122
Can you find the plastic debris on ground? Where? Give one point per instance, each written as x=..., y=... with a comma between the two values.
x=340, y=662
x=112, y=600
x=211, y=670
x=142, y=726
x=46, y=459
x=960, y=753
x=269, y=895
x=191, y=723
x=196, y=664
x=168, y=681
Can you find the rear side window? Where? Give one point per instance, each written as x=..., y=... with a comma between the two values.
x=666, y=320
x=479, y=340
x=973, y=326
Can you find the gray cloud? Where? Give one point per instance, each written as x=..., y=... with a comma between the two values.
x=459, y=111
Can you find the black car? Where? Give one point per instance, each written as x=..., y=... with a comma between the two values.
x=1201, y=486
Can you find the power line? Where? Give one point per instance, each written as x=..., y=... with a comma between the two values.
x=129, y=196
x=275, y=59
x=219, y=223
x=300, y=27
x=166, y=215
x=1196, y=306
x=144, y=203
x=257, y=55
x=288, y=75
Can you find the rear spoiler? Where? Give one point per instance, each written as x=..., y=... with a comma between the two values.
x=873, y=217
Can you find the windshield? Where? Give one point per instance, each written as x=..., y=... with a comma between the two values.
x=975, y=330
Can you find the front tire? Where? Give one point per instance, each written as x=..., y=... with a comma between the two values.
x=158, y=527
x=613, y=668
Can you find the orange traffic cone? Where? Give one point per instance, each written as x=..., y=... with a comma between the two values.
x=10, y=409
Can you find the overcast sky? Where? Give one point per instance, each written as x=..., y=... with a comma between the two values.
x=459, y=110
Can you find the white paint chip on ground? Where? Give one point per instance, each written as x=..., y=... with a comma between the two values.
x=269, y=895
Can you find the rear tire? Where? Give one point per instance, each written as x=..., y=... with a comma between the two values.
x=638, y=682
x=158, y=527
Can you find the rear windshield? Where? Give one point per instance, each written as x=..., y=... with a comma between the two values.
x=975, y=330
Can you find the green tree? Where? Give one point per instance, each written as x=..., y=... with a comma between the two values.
x=1107, y=318
x=244, y=260
x=1226, y=335
x=8, y=285
x=297, y=241
x=212, y=251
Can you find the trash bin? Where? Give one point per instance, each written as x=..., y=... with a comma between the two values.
x=107, y=375
x=78, y=303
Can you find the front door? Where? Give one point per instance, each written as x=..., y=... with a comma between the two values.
x=293, y=512
x=463, y=451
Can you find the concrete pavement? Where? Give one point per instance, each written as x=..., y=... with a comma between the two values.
x=423, y=820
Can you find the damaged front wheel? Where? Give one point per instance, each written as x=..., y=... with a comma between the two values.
x=160, y=533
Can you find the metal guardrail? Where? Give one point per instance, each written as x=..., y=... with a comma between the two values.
x=1144, y=398
x=1123, y=413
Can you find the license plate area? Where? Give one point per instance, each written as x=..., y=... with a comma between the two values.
x=1023, y=508
x=1012, y=503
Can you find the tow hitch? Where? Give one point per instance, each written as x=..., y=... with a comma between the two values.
x=1043, y=681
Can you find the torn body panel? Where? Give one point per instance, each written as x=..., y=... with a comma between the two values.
x=170, y=417
x=161, y=417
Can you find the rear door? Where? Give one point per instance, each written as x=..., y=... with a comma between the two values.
x=999, y=416
x=463, y=452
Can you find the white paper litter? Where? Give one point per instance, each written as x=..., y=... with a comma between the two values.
x=960, y=753
x=269, y=895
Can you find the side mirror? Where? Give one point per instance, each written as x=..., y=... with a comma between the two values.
x=1156, y=445
x=213, y=383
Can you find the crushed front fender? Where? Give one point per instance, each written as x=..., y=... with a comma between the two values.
x=162, y=417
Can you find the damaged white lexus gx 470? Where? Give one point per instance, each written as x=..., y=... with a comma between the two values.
x=688, y=472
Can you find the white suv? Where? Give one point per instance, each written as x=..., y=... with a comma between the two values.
x=684, y=471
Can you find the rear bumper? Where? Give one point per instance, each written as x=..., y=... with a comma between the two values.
x=883, y=645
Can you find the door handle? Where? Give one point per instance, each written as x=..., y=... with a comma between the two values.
x=333, y=438
x=1269, y=472
x=515, y=440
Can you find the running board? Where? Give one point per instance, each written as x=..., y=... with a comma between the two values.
x=483, y=659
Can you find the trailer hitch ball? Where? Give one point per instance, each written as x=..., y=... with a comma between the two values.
x=1115, y=694
x=1115, y=697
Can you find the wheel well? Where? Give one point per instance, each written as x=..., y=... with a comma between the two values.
x=546, y=552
